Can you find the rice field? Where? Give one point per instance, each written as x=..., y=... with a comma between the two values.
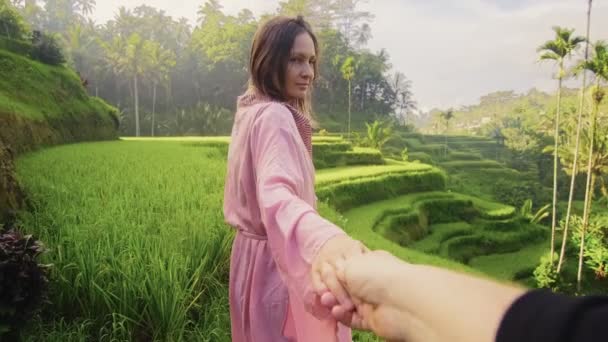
x=139, y=247
x=136, y=237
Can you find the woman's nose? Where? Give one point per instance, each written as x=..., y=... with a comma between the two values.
x=308, y=71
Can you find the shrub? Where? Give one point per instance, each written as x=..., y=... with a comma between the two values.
x=361, y=156
x=349, y=194
x=421, y=156
x=443, y=210
x=435, y=150
x=546, y=274
x=23, y=282
x=323, y=147
x=12, y=25
x=464, y=248
x=15, y=46
x=472, y=164
x=515, y=192
x=45, y=49
x=404, y=154
x=455, y=155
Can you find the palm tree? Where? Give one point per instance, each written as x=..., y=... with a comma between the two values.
x=161, y=61
x=447, y=116
x=598, y=65
x=577, y=145
x=78, y=41
x=85, y=7
x=348, y=72
x=131, y=57
x=558, y=49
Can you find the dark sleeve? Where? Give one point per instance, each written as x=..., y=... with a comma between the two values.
x=541, y=315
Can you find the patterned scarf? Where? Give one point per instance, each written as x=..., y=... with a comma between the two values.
x=252, y=97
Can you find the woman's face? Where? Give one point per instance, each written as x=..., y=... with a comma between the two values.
x=300, y=69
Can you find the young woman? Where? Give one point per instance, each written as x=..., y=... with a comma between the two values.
x=284, y=255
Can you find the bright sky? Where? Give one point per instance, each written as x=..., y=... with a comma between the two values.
x=453, y=51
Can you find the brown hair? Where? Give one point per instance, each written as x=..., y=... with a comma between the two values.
x=270, y=55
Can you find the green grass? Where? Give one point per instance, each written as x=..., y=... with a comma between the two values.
x=359, y=223
x=340, y=174
x=471, y=164
x=508, y=266
x=439, y=233
x=218, y=139
x=320, y=138
x=136, y=235
x=40, y=92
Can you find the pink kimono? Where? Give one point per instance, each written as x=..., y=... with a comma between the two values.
x=269, y=198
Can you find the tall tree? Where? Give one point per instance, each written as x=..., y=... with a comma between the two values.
x=317, y=12
x=351, y=22
x=577, y=144
x=447, y=116
x=60, y=14
x=405, y=103
x=598, y=65
x=161, y=61
x=131, y=57
x=348, y=72
x=557, y=50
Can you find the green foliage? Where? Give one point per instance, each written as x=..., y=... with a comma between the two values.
x=420, y=156
x=52, y=91
x=348, y=194
x=541, y=214
x=562, y=46
x=444, y=210
x=596, y=242
x=545, y=274
x=404, y=154
x=512, y=266
x=471, y=164
x=342, y=174
x=360, y=156
x=16, y=46
x=464, y=248
x=439, y=233
x=12, y=25
x=378, y=133
x=361, y=220
x=46, y=49
x=516, y=193
x=130, y=254
x=457, y=155
x=324, y=147
x=24, y=283
x=335, y=152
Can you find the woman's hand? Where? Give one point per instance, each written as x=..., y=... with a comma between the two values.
x=324, y=273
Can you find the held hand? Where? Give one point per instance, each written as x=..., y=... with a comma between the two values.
x=325, y=280
x=372, y=280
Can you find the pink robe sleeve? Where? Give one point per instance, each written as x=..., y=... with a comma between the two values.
x=295, y=230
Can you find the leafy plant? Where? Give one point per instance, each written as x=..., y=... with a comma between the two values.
x=12, y=25
x=545, y=274
x=541, y=214
x=404, y=154
x=378, y=133
x=45, y=48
